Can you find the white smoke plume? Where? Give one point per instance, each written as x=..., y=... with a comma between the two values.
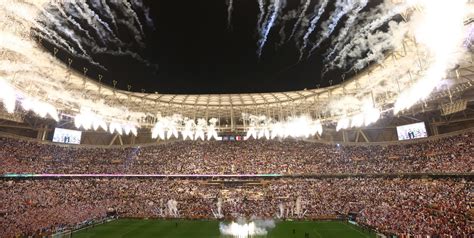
x=242, y=228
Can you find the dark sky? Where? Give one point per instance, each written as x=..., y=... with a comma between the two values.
x=197, y=54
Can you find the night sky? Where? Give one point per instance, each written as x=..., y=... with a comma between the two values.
x=196, y=53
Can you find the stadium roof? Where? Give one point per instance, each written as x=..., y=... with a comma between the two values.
x=37, y=74
x=382, y=82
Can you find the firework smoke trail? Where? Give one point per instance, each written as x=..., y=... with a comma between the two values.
x=282, y=34
x=300, y=18
x=146, y=12
x=109, y=13
x=312, y=26
x=66, y=31
x=88, y=19
x=276, y=7
x=351, y=20
x=261, y=14
x=105, y=36
x=381, y=42
x=342, y=8
x=287, y=17
x=359, y=39
x=230, y=7
x=133, y=14
x=96, y=17
x=72, y=21
x=121, y=52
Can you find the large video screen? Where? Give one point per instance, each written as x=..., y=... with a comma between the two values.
x=67, y=136
x=412, y=131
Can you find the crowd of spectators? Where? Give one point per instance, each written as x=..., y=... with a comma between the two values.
x=449, y=154
x=395, y=206
x=398, y=206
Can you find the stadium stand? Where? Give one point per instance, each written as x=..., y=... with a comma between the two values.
x=421, y=205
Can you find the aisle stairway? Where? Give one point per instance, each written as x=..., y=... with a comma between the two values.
x=470, y=202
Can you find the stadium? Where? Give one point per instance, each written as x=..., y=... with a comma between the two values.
x=236, y=118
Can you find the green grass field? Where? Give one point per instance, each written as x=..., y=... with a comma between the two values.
x=167, y=228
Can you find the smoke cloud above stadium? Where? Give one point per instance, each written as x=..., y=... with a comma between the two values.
x=29, y=75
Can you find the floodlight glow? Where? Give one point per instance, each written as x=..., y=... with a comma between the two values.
x=371, y=115
x=343, y=123
x=251, y=133
x=39, y=108
x=129, y=128
x=211, y=130
x=188, y=130
x=200, y=127
x=115, y=127
x=158, y=130
x=8, y=96
x=357, y=120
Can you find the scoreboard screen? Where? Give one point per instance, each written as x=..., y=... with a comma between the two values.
x=67, y=136
x=412, y=131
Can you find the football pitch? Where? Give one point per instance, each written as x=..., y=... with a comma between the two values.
x=204, y=229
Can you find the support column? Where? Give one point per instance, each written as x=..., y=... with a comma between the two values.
x=42, y=133
x=434, y=130
x=344, y=135
x=232, y=123
x=113, y=139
